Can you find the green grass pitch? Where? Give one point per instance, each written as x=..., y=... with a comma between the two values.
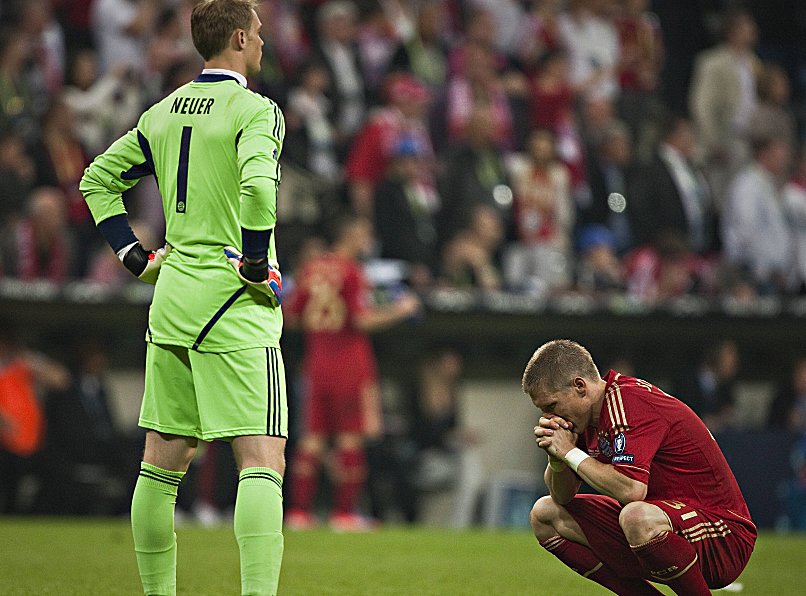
x=96, y=557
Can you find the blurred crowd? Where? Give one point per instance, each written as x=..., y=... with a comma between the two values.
x=629, y=147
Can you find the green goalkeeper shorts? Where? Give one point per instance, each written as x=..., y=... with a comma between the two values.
x=214, y=395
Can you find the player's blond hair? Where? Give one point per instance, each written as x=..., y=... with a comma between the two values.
x=213, y=22
x=555, y=364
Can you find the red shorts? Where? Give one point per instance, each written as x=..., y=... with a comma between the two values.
x=723, y=543
x=334, y=406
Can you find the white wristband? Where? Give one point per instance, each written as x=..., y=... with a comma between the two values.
x=575, y=457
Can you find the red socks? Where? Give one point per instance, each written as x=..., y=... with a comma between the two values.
x=583, y=560
x=670, y=559
x=352, y=472
x=350, y=475
x=305, y=481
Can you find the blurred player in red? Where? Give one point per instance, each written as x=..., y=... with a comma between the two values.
x=332, y=305
x=669, y=508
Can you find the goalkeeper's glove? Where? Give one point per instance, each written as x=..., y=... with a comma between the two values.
x=261, y=274
x=143, y=264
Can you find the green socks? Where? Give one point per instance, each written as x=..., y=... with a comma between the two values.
x=259, y=530
x=153, y=528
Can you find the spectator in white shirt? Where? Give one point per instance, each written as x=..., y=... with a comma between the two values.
x=105, y=106
x=593, y=46
x=121, y=29
x=755, y=232
x=723, y=99
x=795, y=209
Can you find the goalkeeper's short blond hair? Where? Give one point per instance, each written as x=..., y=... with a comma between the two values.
x=213, y=22
x=555, y=365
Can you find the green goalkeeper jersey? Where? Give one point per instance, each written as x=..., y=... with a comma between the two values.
x=213, y=146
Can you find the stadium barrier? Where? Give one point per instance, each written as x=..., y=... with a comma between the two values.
x=495, y=333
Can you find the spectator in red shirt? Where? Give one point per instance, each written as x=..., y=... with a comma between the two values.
x=331, y=304
x=40, y=245
x=552, y=96
x=669, y=509
x=479, y=85
x=641, y=54
x=666, y=269
x=370, y=154
x=75, y=17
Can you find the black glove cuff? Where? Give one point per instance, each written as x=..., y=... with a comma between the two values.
x=255, y=270
x=136, y=259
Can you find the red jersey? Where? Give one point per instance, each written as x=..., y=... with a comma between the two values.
x=331, y=292
x=375, y=144
x=650, y=436
x=641, y=44
x=549, y=107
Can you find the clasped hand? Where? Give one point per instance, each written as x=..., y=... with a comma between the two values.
x=555, y=435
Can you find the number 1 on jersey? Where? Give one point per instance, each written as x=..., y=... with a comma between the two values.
x=182, y=170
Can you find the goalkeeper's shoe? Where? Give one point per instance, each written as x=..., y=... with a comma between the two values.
x=143, y=264
x=261, y=274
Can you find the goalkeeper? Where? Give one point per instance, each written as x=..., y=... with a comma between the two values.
x=213, y=363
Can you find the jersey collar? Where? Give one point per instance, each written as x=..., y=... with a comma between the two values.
x=215, y=75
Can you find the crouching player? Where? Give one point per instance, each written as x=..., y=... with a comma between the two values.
x=669, y=508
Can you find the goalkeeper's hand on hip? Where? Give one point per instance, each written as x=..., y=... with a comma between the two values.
x=143, y=264
x=261, y=274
